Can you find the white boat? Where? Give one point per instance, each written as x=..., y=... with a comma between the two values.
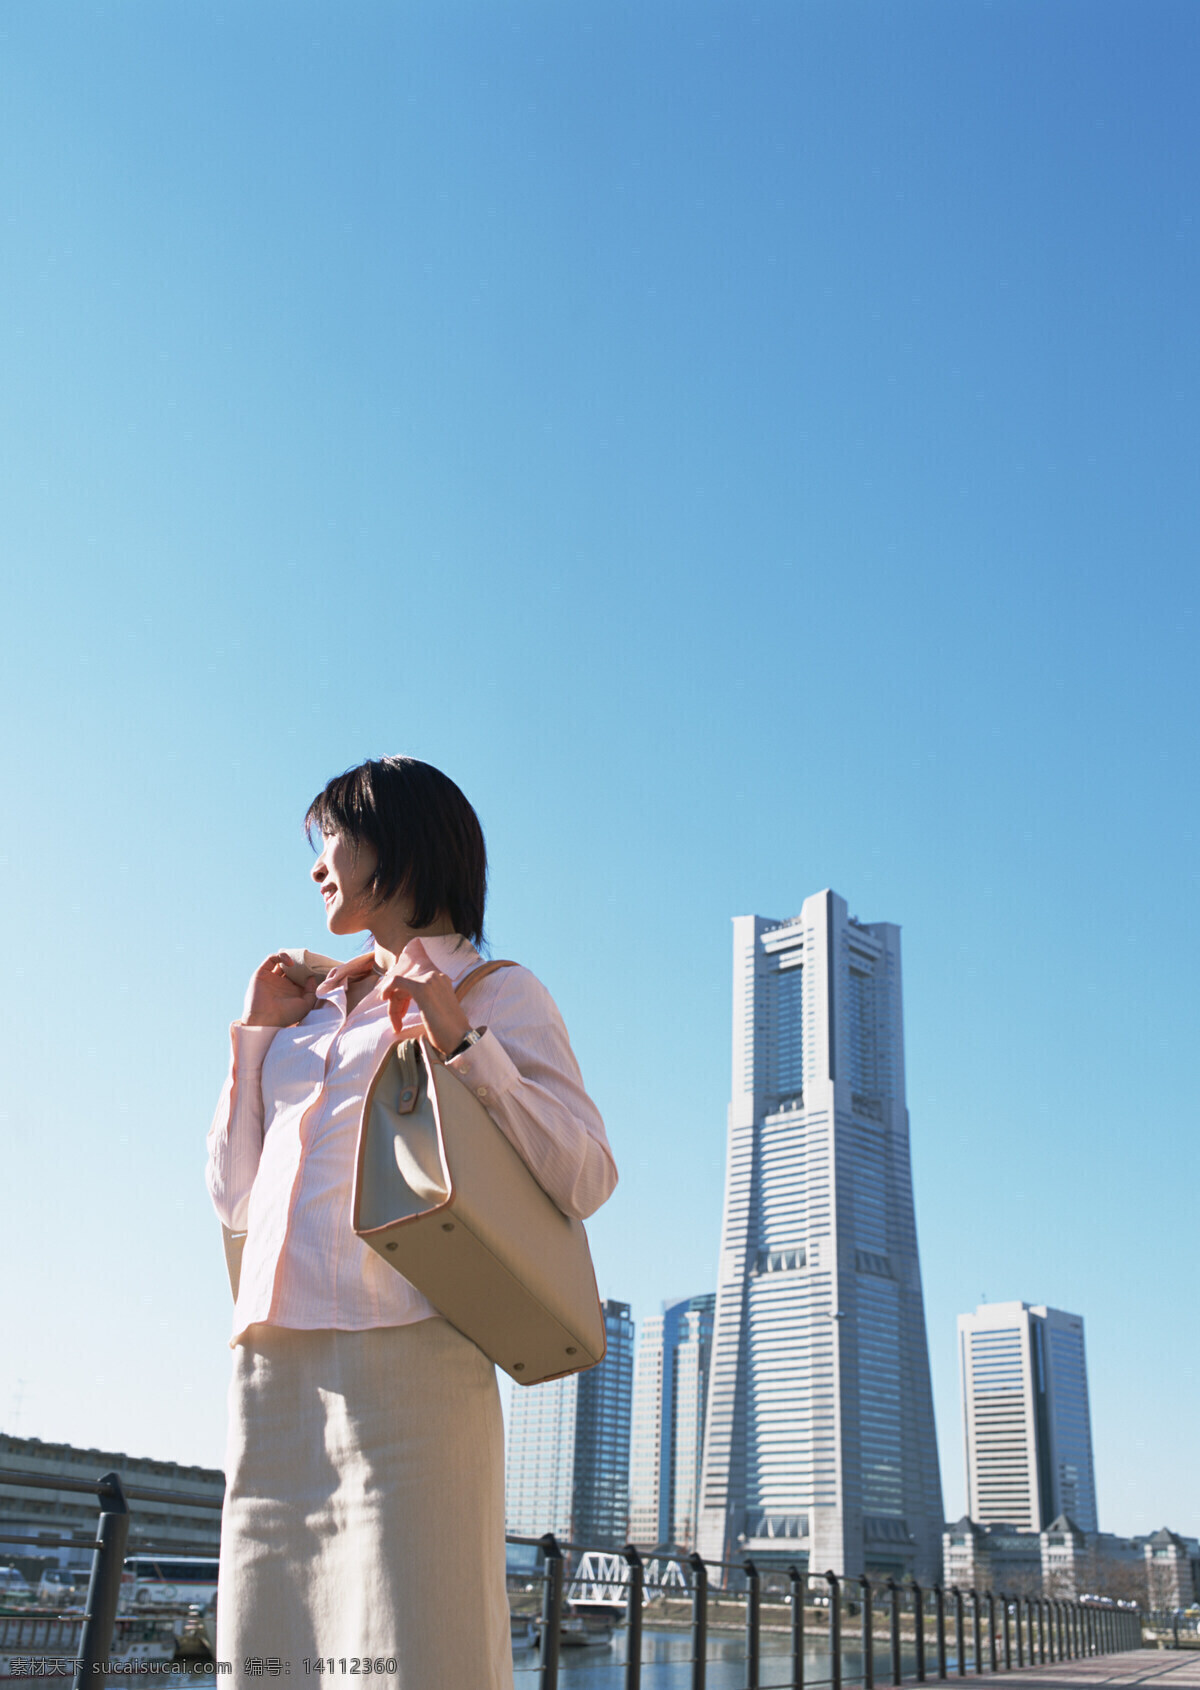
x=585, y=1626
x=39, y=1634
x=524, y=1631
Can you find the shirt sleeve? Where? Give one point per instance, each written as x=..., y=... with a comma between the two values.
x=236, y=1135
x=524, y=1072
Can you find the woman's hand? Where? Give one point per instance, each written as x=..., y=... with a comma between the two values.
x=414, y=979
x=272, y=1000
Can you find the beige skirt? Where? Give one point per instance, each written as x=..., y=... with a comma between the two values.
x=364, y=1510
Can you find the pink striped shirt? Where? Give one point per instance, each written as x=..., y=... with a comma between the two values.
x=282, y=1143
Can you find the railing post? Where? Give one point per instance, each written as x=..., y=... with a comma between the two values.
x=959, y=1651
x=1041, y=1618
x=753, y=1592
x=919, y=1629
x=104, y=1586
x=635, y=1592
x=939, y=1604
x=699, y=1622
x=991, y=1608
x=894, y=1627
x=868, y=1632
x=976, y=1629
x=1007, y=1632
x=552, y=1607
x=799, y=1584
x=835, y=1630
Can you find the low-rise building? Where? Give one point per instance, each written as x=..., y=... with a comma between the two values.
x=1172, y=1569
x=1161, y=1570
x=49, y=1516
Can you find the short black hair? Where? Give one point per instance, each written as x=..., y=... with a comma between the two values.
x=427, y=838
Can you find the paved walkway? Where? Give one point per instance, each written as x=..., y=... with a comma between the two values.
x=1158, y=1669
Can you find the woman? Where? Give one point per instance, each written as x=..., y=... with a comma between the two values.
x=364, y=1511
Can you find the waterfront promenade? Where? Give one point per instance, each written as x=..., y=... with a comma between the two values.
x=1169, y=1669
x=668, y=1666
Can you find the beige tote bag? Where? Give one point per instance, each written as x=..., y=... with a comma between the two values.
x=444, y=1198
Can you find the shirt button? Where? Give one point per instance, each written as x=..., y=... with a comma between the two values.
x=481, y=1091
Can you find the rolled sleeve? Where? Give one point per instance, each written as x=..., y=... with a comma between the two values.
x=524, y=1072
x=236, y=1135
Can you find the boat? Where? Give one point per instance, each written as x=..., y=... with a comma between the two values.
x=587, y=1625
x=46, y=1635
x=523, y=1628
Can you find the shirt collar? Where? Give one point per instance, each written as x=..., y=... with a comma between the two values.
x=451, y=952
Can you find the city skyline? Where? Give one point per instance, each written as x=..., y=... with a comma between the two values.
x=820, y=1438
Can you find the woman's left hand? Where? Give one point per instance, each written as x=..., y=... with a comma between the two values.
x=413, y=978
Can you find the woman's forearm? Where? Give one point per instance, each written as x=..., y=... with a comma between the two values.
x=236, y=1135
x=525, y=1074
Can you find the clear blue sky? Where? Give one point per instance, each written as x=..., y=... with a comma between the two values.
x=751, y=448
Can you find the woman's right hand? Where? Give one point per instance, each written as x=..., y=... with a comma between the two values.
x=272, y=1000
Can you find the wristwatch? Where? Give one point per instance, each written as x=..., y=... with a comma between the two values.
x=472, y=1038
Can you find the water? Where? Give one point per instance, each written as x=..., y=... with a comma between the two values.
x=667, y=1663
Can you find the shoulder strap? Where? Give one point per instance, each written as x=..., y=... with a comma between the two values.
x=477, y=974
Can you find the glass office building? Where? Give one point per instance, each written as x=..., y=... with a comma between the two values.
x=670, y=1391
x=820, y=1445
x=1026, y=1419
x=567, y=1467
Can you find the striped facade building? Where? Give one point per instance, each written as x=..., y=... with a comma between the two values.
x=670, y=1394
x=1027, y=1423
x=820, y=1445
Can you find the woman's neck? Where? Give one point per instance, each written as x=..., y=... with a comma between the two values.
x=391, y=932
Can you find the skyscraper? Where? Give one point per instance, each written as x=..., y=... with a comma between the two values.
x=1027, y=1424
x=670, y=1380
x=567, y=1469
x=820, y=1441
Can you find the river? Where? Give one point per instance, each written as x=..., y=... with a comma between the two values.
x=667, y=1658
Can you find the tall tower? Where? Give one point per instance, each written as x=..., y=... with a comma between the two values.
x=567, y=1468
x=670, y=1379
x=820, y=1442
x=1026, y=1417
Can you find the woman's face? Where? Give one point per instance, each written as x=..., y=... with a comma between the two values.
x=342, y=872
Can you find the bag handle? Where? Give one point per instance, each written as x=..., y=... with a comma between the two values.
x=480, y=973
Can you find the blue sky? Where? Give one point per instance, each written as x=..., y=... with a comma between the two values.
x=751, y=449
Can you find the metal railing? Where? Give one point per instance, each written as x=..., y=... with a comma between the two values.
x=874, y=1633
x=923, y=1630
x=108, y=1547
